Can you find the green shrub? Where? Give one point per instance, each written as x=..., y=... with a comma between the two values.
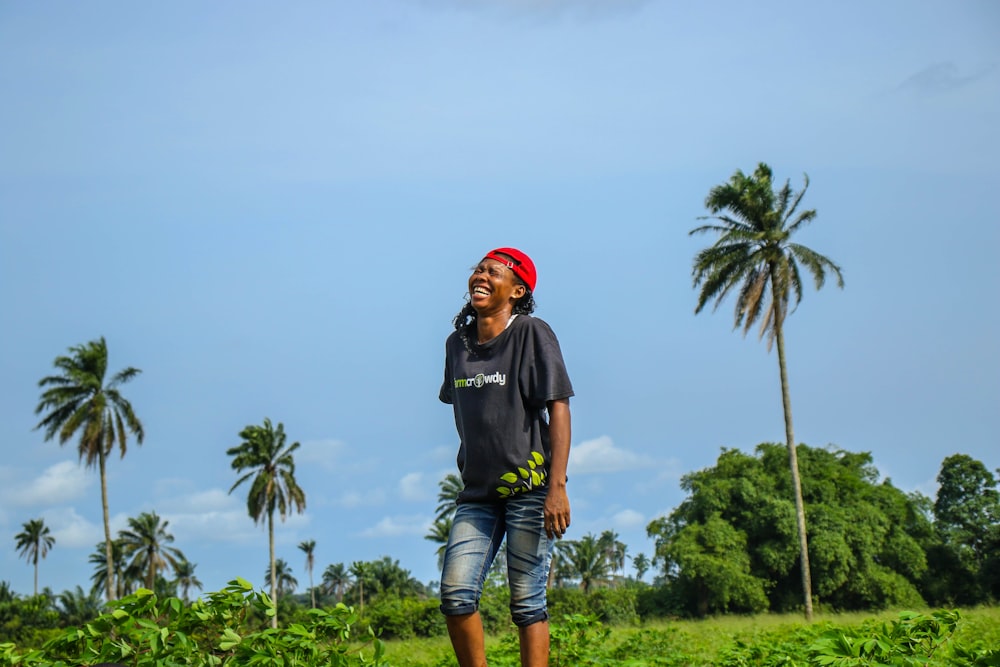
x=616, y=606
x=405, y=618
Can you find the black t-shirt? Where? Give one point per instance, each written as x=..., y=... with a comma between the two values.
x=499, y=392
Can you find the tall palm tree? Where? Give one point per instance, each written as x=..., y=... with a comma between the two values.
x=335, y=580
x=79, y=400
x=145, y=545
x=309, y=547
x=268, y=462
x=755, y=258
x=34, y=542
x=185, y=578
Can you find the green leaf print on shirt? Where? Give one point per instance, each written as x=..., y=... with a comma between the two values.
x=524, y=479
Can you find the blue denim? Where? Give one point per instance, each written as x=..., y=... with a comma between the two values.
x=476, y=534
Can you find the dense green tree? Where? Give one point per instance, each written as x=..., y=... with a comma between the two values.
x=866, y=542
x=755, y=258
x=964, y=561
x=146, y=546
x=34, y=542
x=79, y=401
x=713, y=568
x=267, y=462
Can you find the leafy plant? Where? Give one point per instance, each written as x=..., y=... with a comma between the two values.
x=142, y=630
x=911, y=640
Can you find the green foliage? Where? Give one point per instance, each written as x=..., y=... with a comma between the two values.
x=26, y=621
x=616, y=606
x=911, y=640
x=393, y=617
x=731, y=545
x=575, y=637
x=143, y=630
x=965, y=561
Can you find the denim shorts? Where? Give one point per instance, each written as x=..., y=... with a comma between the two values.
x=476, y=534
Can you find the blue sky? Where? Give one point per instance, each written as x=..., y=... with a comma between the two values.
x=272, y=210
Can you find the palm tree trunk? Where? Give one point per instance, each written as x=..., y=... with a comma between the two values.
x=112, y=587
x=274, y=581
x=37, y=547
x=793, y=461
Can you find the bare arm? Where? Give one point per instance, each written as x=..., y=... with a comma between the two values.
x=557, y=501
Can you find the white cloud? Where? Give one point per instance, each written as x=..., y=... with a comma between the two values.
x=368, y=498
x=628, y=519
x=72, y=530
x=394, y=526
x=602, y=456
x=415, y=488
x=59, y=483
x=326, y=454
x=210, y=500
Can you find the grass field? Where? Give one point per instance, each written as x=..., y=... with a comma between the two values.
x=694, y=642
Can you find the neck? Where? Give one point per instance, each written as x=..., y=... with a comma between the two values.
x=489, y=327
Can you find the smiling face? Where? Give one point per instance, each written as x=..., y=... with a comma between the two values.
x=493, y=287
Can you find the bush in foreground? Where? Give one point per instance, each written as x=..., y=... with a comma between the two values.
x=142, y=630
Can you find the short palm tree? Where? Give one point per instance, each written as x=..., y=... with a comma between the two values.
x=77, y=608
x=755, y=258
x=79, y=401
x=641, y=563
x=450, y=487
x=283, y=575
x=309, y=548
x=613, y=549
x=128, y=578
x=335, y=580
x=361, y=571
x=145, y=545
x=185, y=579
x=34, y=542
x=585, y=560
x=266, y=461
x=438, y=533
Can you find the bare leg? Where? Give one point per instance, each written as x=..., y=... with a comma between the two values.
x=466, y=634
x=535, y=644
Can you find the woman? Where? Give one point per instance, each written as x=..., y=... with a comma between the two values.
x=505, y=378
